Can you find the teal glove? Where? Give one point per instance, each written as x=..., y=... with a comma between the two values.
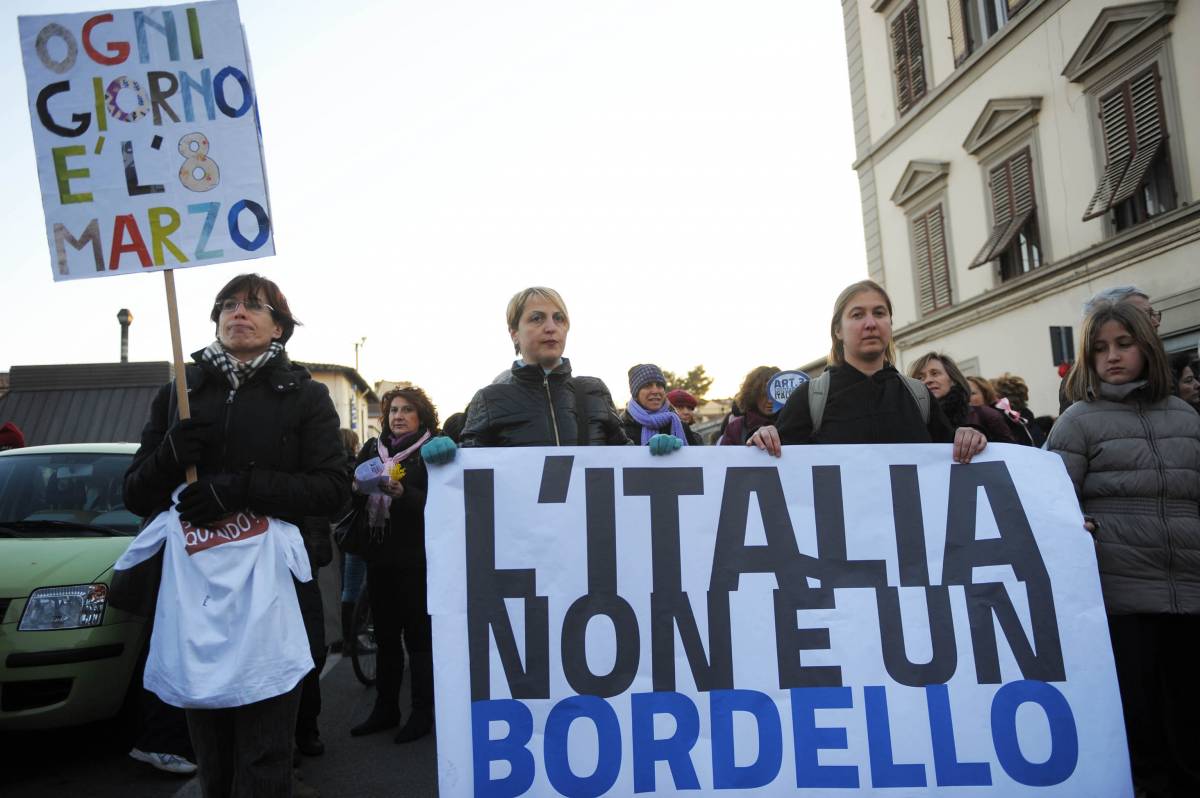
x=439, y=451
x=664, y=444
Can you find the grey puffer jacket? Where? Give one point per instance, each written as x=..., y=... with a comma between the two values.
x=1136, y=469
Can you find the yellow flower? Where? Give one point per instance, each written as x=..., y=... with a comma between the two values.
x=397, y=472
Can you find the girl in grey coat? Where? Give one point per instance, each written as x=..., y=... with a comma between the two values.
x=1133, y=452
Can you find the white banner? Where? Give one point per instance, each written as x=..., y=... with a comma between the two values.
x=869, y=618
x=145, y=129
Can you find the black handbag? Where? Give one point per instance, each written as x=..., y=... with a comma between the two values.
x=351, y=533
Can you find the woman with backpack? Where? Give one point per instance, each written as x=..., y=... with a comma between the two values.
x=861, y=397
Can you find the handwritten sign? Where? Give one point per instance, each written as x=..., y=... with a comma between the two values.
x=145, y=129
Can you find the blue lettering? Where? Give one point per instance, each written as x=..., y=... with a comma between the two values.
x=1064, y=738
x=946, y=767
x=884, y=771
x=511, y=748
x=608, y=754
x=763, y=770
x=809, y=738
x=674, y=750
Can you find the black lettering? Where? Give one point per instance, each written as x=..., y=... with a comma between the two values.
x=790, y=639
x=1016, y=547
x=838, y=571
x=487, y=587
x=43, y=112
x=943, y=660
x=159, y=95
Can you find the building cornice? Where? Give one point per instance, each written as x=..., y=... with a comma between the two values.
x=1160, y=234
x=1012, y=34
x=918, y=177
x=1116, y=28
x=998, y=118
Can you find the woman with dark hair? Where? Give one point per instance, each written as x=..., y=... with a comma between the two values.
x=648, y=414
x=1014, y=389
x=539, y=402
x=1185, y=373
x=861, y=397
x=394, y=507
x=946, y=382
x=983, y=394
x=263, y=436
x=1133, y=451
x=756, y=406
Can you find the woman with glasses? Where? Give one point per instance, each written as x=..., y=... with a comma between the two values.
x=263, y=436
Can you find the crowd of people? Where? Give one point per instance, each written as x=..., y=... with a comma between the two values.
x=265, y=437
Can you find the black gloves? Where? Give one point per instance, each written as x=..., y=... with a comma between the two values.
x=184, y=443
x=211, y=498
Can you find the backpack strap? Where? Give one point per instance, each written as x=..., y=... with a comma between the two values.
x=818, y=392
x=920, y=395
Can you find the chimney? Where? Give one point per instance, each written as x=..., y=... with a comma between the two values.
x=126, y=318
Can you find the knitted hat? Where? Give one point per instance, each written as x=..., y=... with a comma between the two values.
x=643, y=374
x=681, y=398
x=11, y=437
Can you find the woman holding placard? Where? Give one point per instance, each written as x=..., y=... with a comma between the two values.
x=861, y=397
x=1133, y=452
x=390, y=484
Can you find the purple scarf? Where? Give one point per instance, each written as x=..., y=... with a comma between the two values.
x=653, y=422
x=378, y=504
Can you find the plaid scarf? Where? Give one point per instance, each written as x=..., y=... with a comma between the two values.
x=235, y=370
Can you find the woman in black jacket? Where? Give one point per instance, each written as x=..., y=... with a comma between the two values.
x=263, y=436
x=863, y=398
x=394, y=510
x=539, y=402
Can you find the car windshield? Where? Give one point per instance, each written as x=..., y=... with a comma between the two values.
x=45, y=494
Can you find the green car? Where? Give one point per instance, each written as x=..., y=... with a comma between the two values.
x=66, y=657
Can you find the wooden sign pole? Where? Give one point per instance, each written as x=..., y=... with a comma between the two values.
x=185, y=407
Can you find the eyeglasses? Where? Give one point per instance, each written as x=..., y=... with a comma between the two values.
x=251, y=306
x=1155, y=315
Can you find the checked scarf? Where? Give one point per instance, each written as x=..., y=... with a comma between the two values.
x=235, y=371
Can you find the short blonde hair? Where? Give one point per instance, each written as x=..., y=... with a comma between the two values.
x=516, y=306
x=837, y=351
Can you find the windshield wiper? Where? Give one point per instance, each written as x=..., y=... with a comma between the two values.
x=48, y=524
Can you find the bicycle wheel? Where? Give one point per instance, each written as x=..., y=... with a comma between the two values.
x=362, y=658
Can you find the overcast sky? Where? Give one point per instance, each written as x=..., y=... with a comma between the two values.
x=680, y=171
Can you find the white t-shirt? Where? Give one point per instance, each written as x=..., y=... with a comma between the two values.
x=227, y=627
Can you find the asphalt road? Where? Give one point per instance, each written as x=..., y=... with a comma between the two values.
x=93, y=760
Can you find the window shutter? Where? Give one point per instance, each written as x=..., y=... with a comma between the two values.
x=916, y=56
x=1014, y=6
x=932, y=262
x=1013, y=204
x=909, y=58
x=1145, y=99
x=939, y=259
x=1134, y=130
x=958, y=32
x=924, y=273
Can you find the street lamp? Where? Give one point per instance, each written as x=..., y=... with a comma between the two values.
x=125, y=318
x=357, y=346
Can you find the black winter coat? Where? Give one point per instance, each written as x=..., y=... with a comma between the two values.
x=280, y=427
x=531, y=408
x=862, y=409
x=403, y=544
x=633, y=431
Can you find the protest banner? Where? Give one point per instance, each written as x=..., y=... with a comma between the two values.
x=845, y=619
x=145, y=130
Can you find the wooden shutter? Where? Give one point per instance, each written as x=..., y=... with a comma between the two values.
x=909, y=57
x=1135, y=131
x=1013, y=204
x=932, y=260
x=1014, y=6
x=959, y=39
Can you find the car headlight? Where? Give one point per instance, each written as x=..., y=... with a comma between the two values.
x=69, y=607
